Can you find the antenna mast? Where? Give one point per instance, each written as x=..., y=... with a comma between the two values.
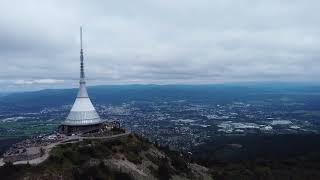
x=82, y=81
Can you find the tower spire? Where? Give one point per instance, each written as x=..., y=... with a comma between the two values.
x=82, y=81
x=82, y=112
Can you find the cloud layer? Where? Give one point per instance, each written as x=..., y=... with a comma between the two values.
x=38, y=81
x=159, y=41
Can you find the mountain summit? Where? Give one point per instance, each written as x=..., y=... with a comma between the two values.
x=130, y=157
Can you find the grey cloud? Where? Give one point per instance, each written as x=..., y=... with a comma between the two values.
x=38, y=81
x=160, y=41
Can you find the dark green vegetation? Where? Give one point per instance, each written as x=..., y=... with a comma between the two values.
x=262, y=157
x=178, y=160
x=27, y=128
x=173, y=163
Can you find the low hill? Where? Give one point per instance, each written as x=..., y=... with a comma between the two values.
x=128, y=158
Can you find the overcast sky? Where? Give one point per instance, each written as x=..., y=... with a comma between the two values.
x=158, y=41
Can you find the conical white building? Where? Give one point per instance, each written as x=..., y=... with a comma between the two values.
x=83, y=116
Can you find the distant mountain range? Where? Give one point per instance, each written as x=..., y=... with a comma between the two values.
x=116, y=94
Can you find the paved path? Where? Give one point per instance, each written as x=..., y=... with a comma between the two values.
x=42, y=158
x=108, y=137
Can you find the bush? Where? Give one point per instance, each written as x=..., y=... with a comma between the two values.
x=153, y=159
x=122, y=176
x=164, y=170
x=99, y=172
x=180, y=164
x=134, y=158
x=73, y=156
x=55, y=159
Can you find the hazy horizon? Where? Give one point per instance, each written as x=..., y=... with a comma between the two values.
x=31, y=88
